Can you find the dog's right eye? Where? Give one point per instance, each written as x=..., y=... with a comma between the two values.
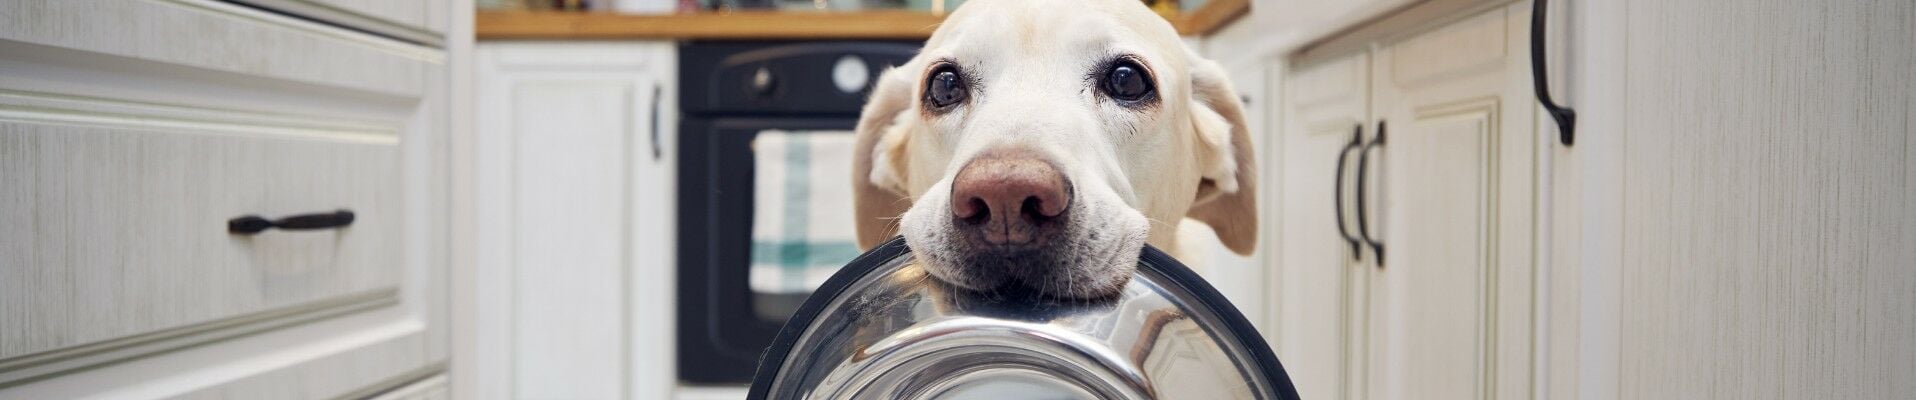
x=945, y=88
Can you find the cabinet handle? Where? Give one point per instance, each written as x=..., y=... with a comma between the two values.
x=1566, y=117
x=1363, y=229
x=252, y=224
x=656, y=96
x=1337, y=189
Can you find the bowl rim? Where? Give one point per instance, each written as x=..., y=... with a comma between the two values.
x=773, y=358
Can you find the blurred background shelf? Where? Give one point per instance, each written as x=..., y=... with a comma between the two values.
x=767, y=24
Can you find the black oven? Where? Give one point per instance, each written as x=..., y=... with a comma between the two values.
x=763, y=165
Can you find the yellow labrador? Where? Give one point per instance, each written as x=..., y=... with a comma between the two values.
x=1042, y=143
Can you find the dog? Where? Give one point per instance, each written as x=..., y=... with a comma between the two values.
x=1040, y=144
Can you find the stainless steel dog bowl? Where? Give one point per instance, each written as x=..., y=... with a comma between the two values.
x=884, y=329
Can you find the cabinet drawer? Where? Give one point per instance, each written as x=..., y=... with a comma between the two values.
x=115, y=224
x=214, y=41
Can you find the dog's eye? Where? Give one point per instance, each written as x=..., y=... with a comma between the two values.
x=945, y=87
x=1126, y=81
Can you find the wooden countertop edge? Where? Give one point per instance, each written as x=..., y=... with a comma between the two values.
x=750, y=25
x=1211, y=17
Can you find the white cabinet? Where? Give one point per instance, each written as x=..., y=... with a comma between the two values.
x=1324, y=269
x=1451, y=302
x=1428, y=141
x=575, y=177
x=1732, y=220
x=131, y=133
x=1747, y=189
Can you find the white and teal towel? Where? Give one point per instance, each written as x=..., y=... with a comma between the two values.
x=802, y=226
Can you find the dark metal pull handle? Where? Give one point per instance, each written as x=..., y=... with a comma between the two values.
x=252, y=224
x=656, y=97
x=1337, y=187
x=1566, y=117
x=1363, y=229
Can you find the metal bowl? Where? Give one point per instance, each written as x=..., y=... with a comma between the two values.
x=882, y=328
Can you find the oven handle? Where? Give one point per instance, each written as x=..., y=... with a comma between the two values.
x=657, y=94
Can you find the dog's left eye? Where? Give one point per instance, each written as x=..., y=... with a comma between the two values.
x=945, y=88
x=1127, y=81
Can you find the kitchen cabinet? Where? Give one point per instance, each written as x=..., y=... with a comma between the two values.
x=1322, y=291
x=1407, y=213
x=127, y=150
x=1745, y=198
x=1451, y=292
x=574, y=172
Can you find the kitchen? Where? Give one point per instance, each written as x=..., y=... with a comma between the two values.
x=625, y=199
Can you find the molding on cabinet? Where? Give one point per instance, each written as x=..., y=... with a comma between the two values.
x=423, y=51
x=429, y=382
x=68, y=110
x=32, y=367
x=359, y=19
x=1391, y=27
x=280, y=47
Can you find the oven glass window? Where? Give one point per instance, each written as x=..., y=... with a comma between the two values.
x=802, y=221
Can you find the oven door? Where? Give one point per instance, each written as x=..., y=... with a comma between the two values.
x=765, y=216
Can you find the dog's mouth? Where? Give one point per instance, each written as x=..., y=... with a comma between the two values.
x=1085, y=254
x=1042, y=272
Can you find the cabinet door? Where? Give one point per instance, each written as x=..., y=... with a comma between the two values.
x=575, y=184
x=125, y=149
x=1321, y=301
x=1451, y=199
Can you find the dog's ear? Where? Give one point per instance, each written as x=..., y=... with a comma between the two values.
x=878, y=162
x=1227, y=196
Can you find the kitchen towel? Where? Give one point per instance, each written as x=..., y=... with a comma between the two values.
x=802, y=217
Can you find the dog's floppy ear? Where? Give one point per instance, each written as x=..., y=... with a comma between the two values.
x=1227, y=197
x=878, y=190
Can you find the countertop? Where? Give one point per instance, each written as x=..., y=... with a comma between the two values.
x=750, y=25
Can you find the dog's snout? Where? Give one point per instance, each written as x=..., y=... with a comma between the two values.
x=1009, y=198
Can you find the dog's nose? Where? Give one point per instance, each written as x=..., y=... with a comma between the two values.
x=1009, y=198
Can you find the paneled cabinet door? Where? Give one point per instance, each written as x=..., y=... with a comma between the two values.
x=575, y=181
x=1452, y=198
x=1320, y=325
x=133, y=132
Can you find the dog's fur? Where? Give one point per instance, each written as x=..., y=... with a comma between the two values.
x=1033, y=66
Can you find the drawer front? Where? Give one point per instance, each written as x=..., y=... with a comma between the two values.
x=116, y=218
x=206, y=37
x=131, y=132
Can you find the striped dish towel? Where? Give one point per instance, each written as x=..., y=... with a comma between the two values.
x=802, y=217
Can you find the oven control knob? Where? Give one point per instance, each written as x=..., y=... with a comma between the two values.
x=850, y=74
x=763, y=82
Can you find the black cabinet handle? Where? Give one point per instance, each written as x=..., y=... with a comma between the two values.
x=1363, y=229
x=1337, y=188
x=656, y=97
x=252, y=224
x=1566, y=117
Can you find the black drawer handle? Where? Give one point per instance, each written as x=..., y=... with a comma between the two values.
x=1566, y=117
x=1337, y=191
x=1363, y=222
x=251, y=224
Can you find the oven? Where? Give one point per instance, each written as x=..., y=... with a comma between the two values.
x=764, y=188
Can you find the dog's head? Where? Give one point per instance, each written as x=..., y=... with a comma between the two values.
x=1043, y=143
